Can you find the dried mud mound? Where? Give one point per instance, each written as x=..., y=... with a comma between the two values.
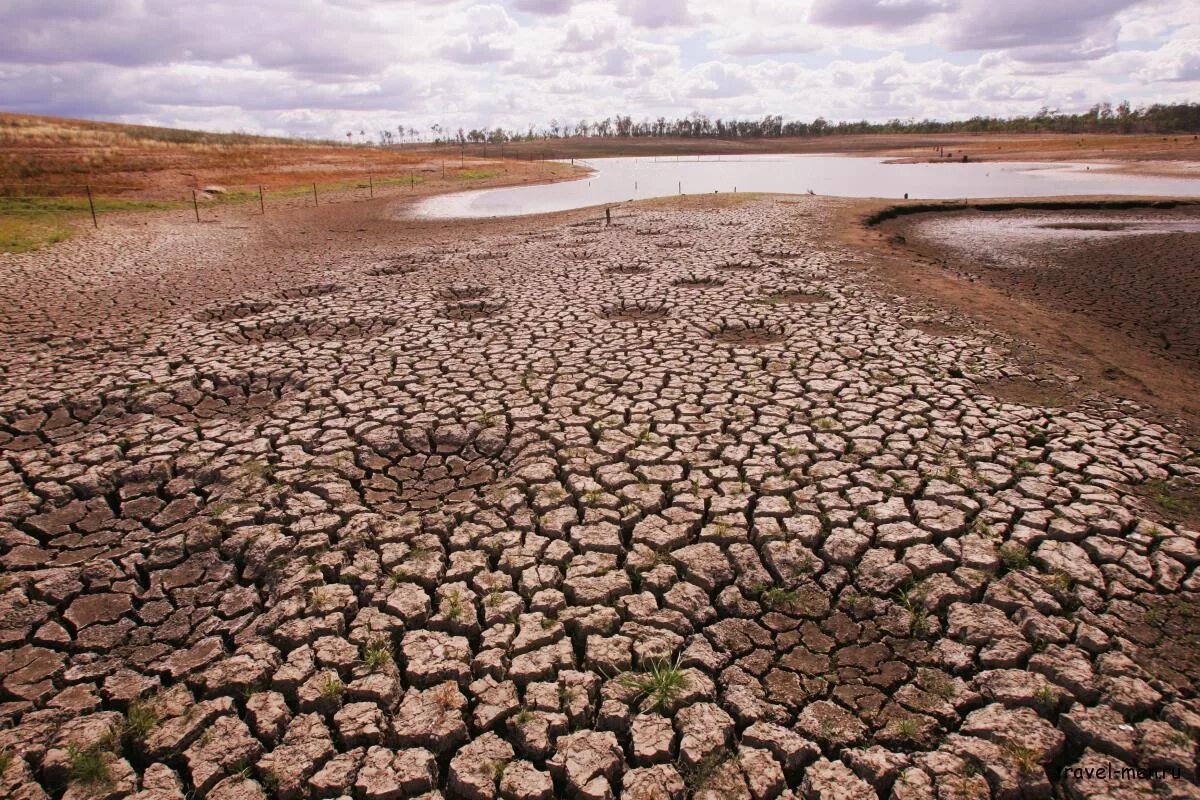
x=422, y=468
x=581, y=549
x=635, y=311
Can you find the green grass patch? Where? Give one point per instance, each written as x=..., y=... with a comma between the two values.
x=89, y=765
x=476, y=174
x=660, y=684
x=30, y=223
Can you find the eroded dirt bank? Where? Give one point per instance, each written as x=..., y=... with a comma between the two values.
x=325, y=505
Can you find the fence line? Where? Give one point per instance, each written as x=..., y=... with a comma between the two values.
x=96, y=198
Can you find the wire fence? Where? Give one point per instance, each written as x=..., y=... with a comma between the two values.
x=95, y=200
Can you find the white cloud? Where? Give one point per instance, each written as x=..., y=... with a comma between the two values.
x=320, y=67
x=656, y=13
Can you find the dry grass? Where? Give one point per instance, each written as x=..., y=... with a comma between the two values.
x=45, y=164
x=45, y=155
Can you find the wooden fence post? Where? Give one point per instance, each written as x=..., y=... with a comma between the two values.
x=195, y=205
x=92, y=206
x=316, y=202
x=261, y=205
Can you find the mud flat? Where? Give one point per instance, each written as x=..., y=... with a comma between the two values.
x=1133, y=271
x=1110, y=289
x=325, y=505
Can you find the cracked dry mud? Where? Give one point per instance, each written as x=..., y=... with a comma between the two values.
x=679, y=507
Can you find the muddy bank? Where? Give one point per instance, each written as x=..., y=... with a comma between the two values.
x=1105, y=288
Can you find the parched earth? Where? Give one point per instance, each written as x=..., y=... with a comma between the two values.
x=678, y=507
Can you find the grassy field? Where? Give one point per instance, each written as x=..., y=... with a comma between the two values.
x=30, y=223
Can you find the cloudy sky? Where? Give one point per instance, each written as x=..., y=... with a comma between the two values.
x=322, y=67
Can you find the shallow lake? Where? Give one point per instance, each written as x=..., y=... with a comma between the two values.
x=616, y=180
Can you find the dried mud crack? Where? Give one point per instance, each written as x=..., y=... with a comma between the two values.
x=777, y=536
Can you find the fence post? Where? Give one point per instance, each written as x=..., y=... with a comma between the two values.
x=316, y=202
x=261, y=205
x=92, y=206
x=195, y=205
x=371, y=185
x=443, y=169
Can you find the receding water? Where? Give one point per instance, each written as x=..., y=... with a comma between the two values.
x=616, y=180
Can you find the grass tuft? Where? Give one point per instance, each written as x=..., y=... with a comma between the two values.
x=88, y=765
x=1014, y=557
x=376, y=654
x=660, y=684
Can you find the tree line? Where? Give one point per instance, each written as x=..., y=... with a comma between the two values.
x=1101, y=118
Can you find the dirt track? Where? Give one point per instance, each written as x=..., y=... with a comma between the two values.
x=322, y=505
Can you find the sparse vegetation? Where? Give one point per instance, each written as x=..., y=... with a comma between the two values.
x=779, y=599
x=936, y=683
x=453, y=605
x=140, y=717
x=331, y=687
x=89, y=766
x=912, y=600
x=660, y=684
x=1014, y=557
x=1023, y=758
x=699, y=777
x=376, y=654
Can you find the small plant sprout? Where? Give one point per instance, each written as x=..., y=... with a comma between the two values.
x=446, y=696
x=454, y=605
x=88, y=766
x=1023, y=758
x=318, y=598
x=912, y=599
x=1044, y=696
x=937, y=684
x=779, y=599
x=376, y=654
x=140, y=717
x=1014, y=557
x=331, y=687
x=660, y=684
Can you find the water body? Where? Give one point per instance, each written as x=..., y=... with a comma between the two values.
x=616, y=180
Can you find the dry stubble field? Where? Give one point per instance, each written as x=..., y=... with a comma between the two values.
x=324, y=504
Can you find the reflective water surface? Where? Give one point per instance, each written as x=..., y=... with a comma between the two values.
x=619, y=179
